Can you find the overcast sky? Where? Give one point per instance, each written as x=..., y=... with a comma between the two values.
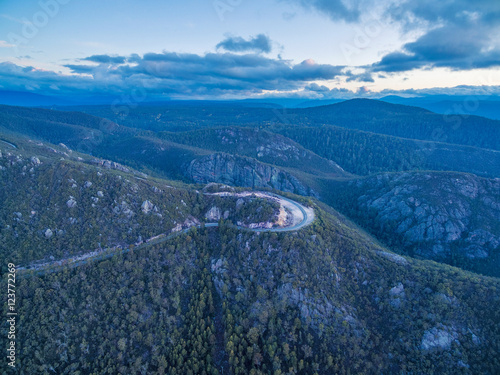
x=243, y=48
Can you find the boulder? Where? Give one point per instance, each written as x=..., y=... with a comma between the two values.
x=214, y=214
x=71, y=202
x=439, y=338
x=147, y=206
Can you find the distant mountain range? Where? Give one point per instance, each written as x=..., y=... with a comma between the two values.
x=485, y=106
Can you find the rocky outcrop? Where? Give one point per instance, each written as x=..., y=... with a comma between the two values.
x=147, y=206
x=261, y=145
x=71, y=202
x=214, y=214
x=450, y=217
x=110, y=165
x=438, y=338
x=48, y=233
x=243, y=171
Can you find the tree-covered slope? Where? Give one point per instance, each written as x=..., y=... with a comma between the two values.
x=448, y=217
x=145, y=150
x=262, y=145
x=321, y=300
x=361, y=114
x=326, y=299
x=181, y=115
x=56, y=203
x=404, y=121
x=365, y=153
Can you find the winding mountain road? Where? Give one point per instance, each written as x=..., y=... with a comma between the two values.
x=8, y=143
x=302, y=217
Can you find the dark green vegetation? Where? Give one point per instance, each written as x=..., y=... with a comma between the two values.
x=406, y=122
x=445, y=216
x=365, y=153
x=360, y=114
x=262, y=145
x=56, y=204
x=323, y=300
x=327, y=299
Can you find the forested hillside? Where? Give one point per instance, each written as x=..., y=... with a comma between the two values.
x=361, y=114
x=56, y=203
x=263, y=145
x=323, y=300
x=448, y=217
x=310, y=164
x=405, y=121
x=365, y=153
x=151, y=152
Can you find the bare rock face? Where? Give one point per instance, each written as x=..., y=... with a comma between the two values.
x=243, y=171
x=438, y=338
x=71, y=202
x=450, y=217
x=147, y=207
x=48, y=233
x=398, y=290
x=123, y=209
x=398, y=259
x=214, y=214
x=110, y=165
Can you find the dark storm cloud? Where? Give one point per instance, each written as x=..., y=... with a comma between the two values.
x=347, y=10
x=105, y=59
x=214, y=68
x=456, y=12
x=81, y=69
x=260, y=43
x=455, y=47
x=213, y=74
x=364, y=77
x=30, y=78
x=465, y=37
x=457, y=34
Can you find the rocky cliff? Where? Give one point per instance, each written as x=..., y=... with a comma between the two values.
x=242, y=171
x=449, y=217
x=262, y=145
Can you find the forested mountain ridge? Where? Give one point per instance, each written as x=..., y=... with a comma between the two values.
x=360, y=114
x=310, y=164
x=144, y=149
x=356, y=151
x=444, y=216
x=390, y=141
x=406, y=122
x=57, y=203
x=365, y=153
x=262, y=145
